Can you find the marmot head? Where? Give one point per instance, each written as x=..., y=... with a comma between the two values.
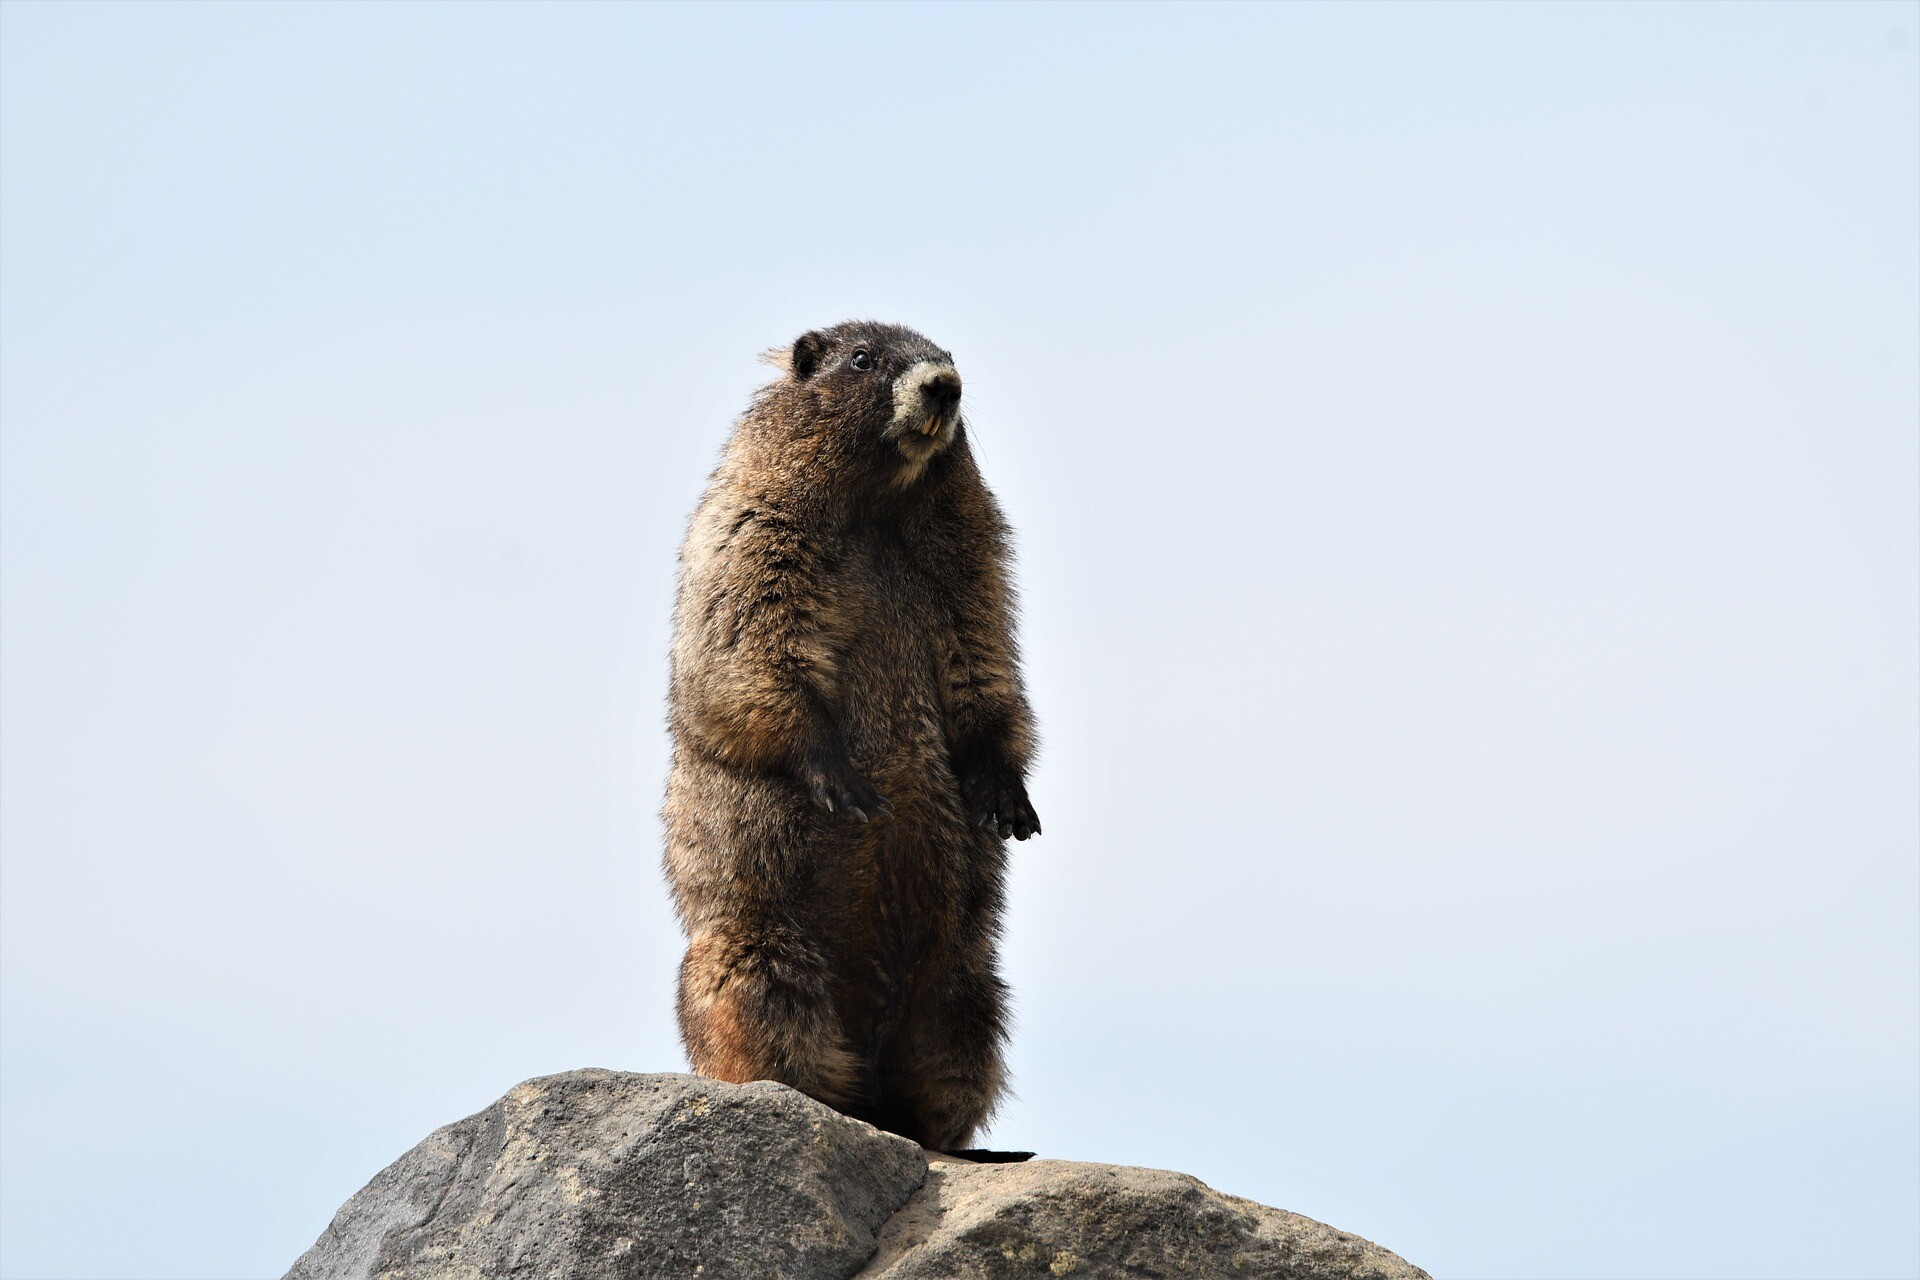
x=884, y=393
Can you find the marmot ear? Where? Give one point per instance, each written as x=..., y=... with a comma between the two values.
x=807, y=350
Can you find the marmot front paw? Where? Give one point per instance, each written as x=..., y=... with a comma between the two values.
x=996, y=798
x=838, y=788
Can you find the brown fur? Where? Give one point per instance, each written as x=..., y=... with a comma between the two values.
x=850, y=744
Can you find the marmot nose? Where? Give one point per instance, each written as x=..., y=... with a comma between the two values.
x=942, y=390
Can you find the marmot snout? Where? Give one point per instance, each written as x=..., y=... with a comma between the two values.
x=925, y=400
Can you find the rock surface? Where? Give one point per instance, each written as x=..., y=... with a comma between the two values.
x=1059, y=1217
x=605, y=1174
x=602, y=1174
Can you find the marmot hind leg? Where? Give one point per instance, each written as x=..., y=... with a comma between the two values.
x=941, y=1075
x=759, y=1006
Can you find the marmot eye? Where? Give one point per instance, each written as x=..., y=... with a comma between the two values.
x=862, y=361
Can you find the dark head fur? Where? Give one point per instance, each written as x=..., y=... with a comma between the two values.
x=874, y=408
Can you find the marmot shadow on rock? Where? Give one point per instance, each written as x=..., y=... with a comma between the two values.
x=851, y=742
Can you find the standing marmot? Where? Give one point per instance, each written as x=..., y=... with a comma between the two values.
x=850, y=744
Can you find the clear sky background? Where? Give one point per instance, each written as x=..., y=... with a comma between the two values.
x=1465, y=472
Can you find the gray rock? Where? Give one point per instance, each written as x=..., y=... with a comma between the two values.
x=606, y=1174
x=598, y=1174
x=1058, y=1218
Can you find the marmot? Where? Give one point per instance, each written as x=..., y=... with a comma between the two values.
x=850, y=744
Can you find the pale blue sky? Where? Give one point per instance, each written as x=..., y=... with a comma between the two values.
x=1464, y=461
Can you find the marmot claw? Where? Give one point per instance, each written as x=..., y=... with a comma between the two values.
x=844, y=791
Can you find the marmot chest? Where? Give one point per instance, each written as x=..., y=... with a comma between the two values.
x=897, y=648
